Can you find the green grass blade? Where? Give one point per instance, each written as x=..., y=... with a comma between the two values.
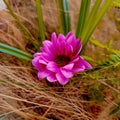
x=63, y=11
x=16, y=18
x=97, y=43
x=61, y=15
x=114, y=61
x=84, y=9
x=15, y=52
x=40, y=19
x=27, y=34
x=92, y=24
x=90, y=59
x=91, y=18
x=67, y=17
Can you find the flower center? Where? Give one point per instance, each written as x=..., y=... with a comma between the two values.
x=62, y=60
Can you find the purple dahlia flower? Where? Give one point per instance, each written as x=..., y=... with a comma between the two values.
x=59, y=59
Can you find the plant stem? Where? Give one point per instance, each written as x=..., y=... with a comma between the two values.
x=40, y=19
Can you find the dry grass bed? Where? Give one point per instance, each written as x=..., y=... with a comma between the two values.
x=23, y=97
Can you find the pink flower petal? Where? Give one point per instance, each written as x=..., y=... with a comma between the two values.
x=66, y=73
x=85, y=63
x=47, y=45
x=52, y=66
x=42, y=62
x=78, y=66
x=35, y=62
x=54, y=38
x=76, y=59
x=66, y=49
x=78, y=69
x=75, y=44
x=61, y=47
x=54, y=41
x=51, y=78
x=69, y=66
x=46, y=57
x=61, y=79
x=48, y=48
x=37, y=54
x=69, y=35
x=61, y=38
x=43, y=74
x=71, y=40
x=77, y=47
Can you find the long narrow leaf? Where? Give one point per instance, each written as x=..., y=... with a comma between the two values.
x=113, y=61
x=97, y=43
x=16, y=18
x=15, y=52
x=67, y=17
x=27, y=34
x=63, y=10
x=92, y=24
x=40, y=19
x=61, y=15
x=91, y=18
x=84, y=9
